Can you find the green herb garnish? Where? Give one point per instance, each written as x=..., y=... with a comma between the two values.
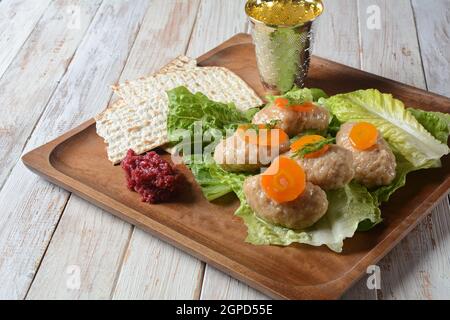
x=273, y=124
x=250, y=126
x=312, y=147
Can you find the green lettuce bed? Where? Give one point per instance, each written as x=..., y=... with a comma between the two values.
x=418, y=138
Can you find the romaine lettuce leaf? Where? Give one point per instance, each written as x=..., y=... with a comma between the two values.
x=213, y=180
x=334, y=126
x=318, y=94
x=186, y=109
x=436, y=123
x=250, y=113
x=399, y=127
x=404, y=167
x=299, y=96
x=212, y=188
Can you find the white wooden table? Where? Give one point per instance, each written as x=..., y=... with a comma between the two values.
x=57, y=58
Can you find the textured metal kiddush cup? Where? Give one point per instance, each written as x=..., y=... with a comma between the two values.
x=283, y=54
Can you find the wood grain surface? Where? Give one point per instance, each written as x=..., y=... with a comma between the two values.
x=18, y=18
x=419, y=269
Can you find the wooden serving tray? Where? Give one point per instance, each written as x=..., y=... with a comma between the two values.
x=77, y=161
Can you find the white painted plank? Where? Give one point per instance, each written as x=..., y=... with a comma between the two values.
x=34, y=74
x=392, y=50
x=164, y=35
x=433, y=25
x=17, y=19
x=337, y=38
x=24, y=91
x=154, y=269
x=416, y=268
x=218, y=286
x=27, y=222
x=78, y=264
x=29, y=218
x=217, y=21
x=424, y=273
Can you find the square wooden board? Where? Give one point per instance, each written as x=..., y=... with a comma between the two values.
x=77, y=161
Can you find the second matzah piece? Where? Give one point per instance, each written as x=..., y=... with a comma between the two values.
x=179, y=64
x=218, y=84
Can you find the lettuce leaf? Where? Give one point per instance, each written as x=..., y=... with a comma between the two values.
x=213, y=180
x=436, y=123
x=404, y=167
x=399, y=127
x=250, y=113
x=334, y=126
x=212, y=188
x=299, y=96
x=318, y=94
x=186, y=109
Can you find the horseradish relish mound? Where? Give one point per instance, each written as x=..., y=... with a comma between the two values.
x=151, y=176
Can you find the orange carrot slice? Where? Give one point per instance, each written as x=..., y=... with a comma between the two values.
x=363, y=136
x=304, y=141
x=284, y=181
x=281, y=102
x=306, y=107
x=264, y=136
x=272, y=137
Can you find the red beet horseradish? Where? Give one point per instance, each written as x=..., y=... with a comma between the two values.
x=155, y=179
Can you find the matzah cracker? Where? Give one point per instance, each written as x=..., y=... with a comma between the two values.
x=179, y=64
x=124, y=127
x=139, y=120
x=217, y=83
